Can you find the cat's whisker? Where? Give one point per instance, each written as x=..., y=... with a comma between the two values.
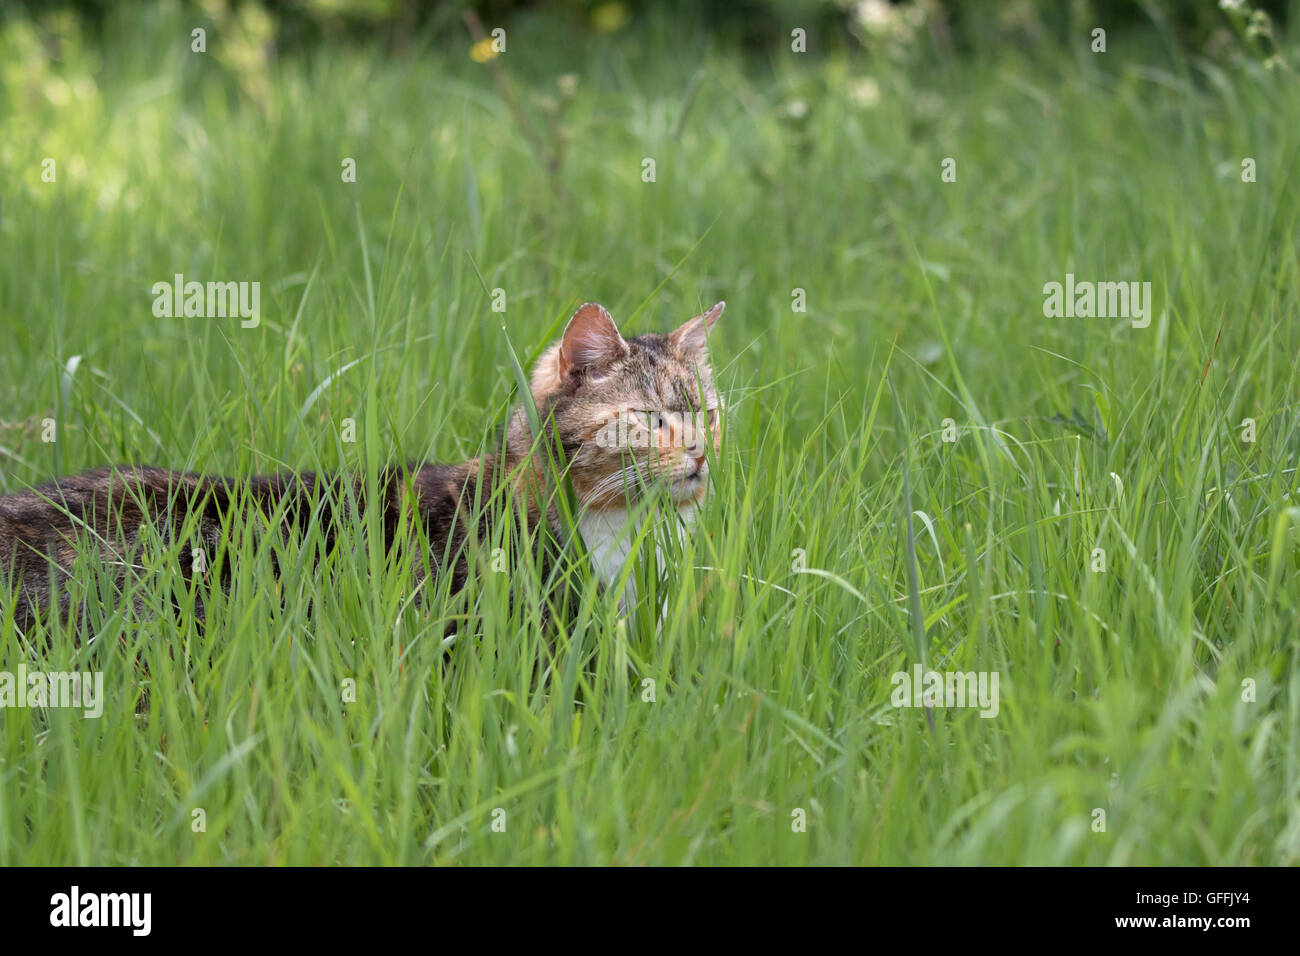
x=624, y=479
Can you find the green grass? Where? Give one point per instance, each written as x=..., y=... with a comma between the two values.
x=1120, y=690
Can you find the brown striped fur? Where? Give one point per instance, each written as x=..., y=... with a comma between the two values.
x=577, y=384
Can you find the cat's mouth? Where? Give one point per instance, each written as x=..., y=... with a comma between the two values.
x=681, y=485
x=690, y=485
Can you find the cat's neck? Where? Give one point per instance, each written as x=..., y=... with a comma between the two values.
x=607, y=532
x=609, y=535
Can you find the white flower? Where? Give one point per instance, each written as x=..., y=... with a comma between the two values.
x=864, y=92
x=876, y=16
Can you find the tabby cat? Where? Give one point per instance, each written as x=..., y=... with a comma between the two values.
x=633, y=417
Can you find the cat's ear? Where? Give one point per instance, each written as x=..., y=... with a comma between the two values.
x=591, y=341
x=692, y=337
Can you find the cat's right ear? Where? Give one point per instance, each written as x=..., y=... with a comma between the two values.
x=692, y=337
x=591, y=341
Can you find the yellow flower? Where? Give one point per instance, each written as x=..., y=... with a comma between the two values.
x=483, y=50
x=610, y=17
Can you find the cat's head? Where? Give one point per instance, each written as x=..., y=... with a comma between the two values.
x=634, y=415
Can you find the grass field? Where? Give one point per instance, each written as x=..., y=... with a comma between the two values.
x=1162, y=690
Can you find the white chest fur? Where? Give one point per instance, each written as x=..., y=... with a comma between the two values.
x=610, y=535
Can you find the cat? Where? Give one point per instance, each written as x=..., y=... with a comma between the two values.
x=635, y=418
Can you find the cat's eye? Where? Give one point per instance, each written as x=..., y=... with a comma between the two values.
x=650, y=419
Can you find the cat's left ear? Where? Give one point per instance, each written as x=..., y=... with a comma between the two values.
x=692, y=336
x=591, y=341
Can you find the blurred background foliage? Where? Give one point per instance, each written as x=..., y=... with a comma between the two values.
x=1206, y=27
